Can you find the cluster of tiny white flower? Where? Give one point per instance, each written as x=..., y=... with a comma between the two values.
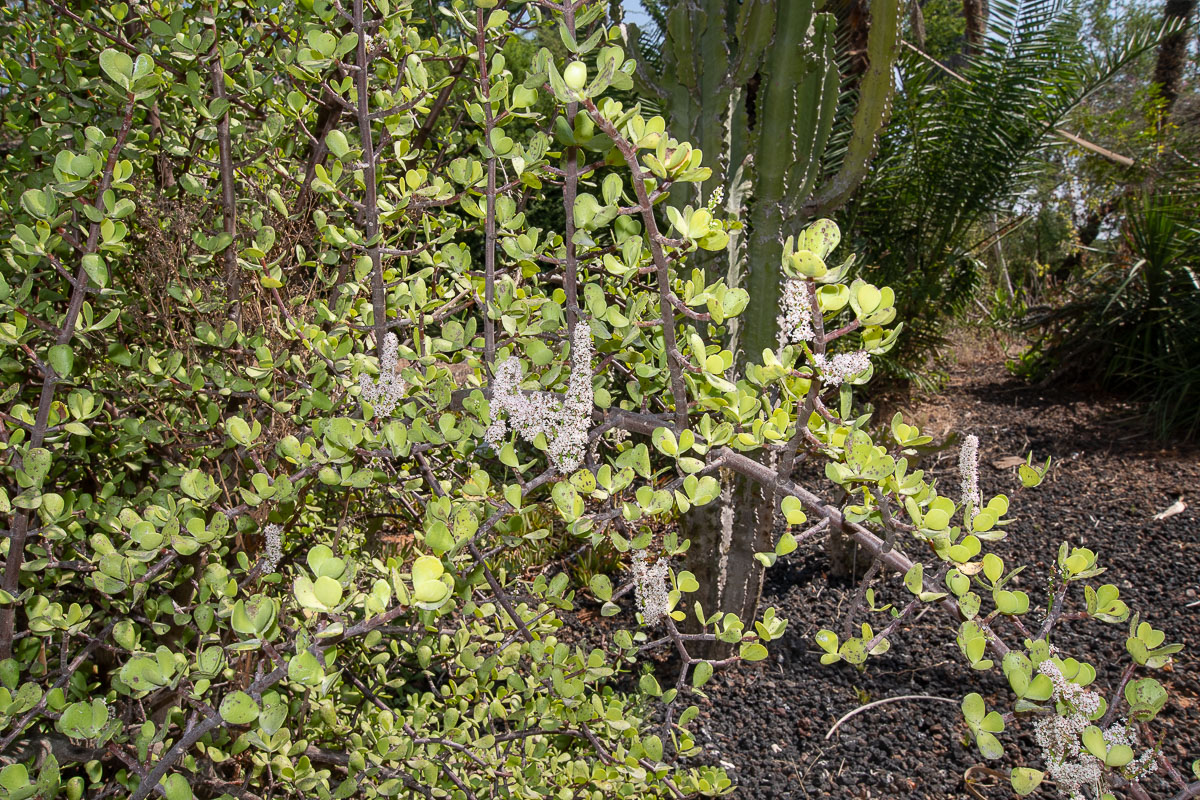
x=841, y=367
x=968, y=472
x=274, y=549
x=563, y=421
x=618, y=436
x=1068, y=763
x=1073, y=694
x=385, y=393
x=716, y=198
x=1124, y=733
x=795, y=323
x=650, y=587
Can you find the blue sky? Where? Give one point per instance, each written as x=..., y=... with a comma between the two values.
x=634, y=12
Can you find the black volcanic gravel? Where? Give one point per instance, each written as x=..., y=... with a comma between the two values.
x=767, y=722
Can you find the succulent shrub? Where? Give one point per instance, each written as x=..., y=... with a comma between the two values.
x=268, y=296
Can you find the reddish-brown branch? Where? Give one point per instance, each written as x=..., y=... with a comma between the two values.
x=489, y=247
x=371, y=202
x=570, y=191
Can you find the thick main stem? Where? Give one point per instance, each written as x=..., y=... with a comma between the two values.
x=774, y=156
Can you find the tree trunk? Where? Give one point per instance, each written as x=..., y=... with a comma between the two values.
x=844, y=563
x=1001, y=262
x=1087, y=233
x=854, y=24
x=725, y=535
x=975, y=12
x=1172, y=53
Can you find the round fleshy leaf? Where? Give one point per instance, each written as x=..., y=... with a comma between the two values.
x=176, y=787
x=430, y=591
x=328, y=591
x=318, y=556
x=868, y=298
x=687, y=582
x=793, y=510
x=973, y=708
x=833, y=297
x=305, y=594
x=1093, y=740
x=142, y=674
x=305, y=668
x=752, y=651
x=427, y=568
x=1119, y=755
x=989, y=745
x=822, y=237
x=1025, y=780
x=239, y=708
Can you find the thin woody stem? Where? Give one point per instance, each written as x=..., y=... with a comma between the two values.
x=871, y=543
x=489, y=248
x=662, y=267
x=370, y=210
x=50, y=381
x=570, y=191
x=233, y=281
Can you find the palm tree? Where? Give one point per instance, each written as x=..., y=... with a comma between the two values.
x=1172, y=52
x=961, y=146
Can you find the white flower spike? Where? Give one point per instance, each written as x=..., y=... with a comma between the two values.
x=385, y=393
x=563, y=421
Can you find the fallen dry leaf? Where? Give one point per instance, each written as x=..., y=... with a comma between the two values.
x=1177, y=507
x=1008, y=462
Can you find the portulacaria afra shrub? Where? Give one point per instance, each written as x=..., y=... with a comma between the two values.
x=275, y=295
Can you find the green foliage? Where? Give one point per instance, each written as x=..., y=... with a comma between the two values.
x=1025, y=780
x=984, y=725
x=202, y=409
x=945, y=29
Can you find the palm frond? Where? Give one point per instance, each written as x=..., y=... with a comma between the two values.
x=963, y=144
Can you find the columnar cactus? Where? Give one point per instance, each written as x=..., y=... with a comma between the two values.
x=756, y=86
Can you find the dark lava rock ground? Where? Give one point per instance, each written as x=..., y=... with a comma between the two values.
x=767, y=722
